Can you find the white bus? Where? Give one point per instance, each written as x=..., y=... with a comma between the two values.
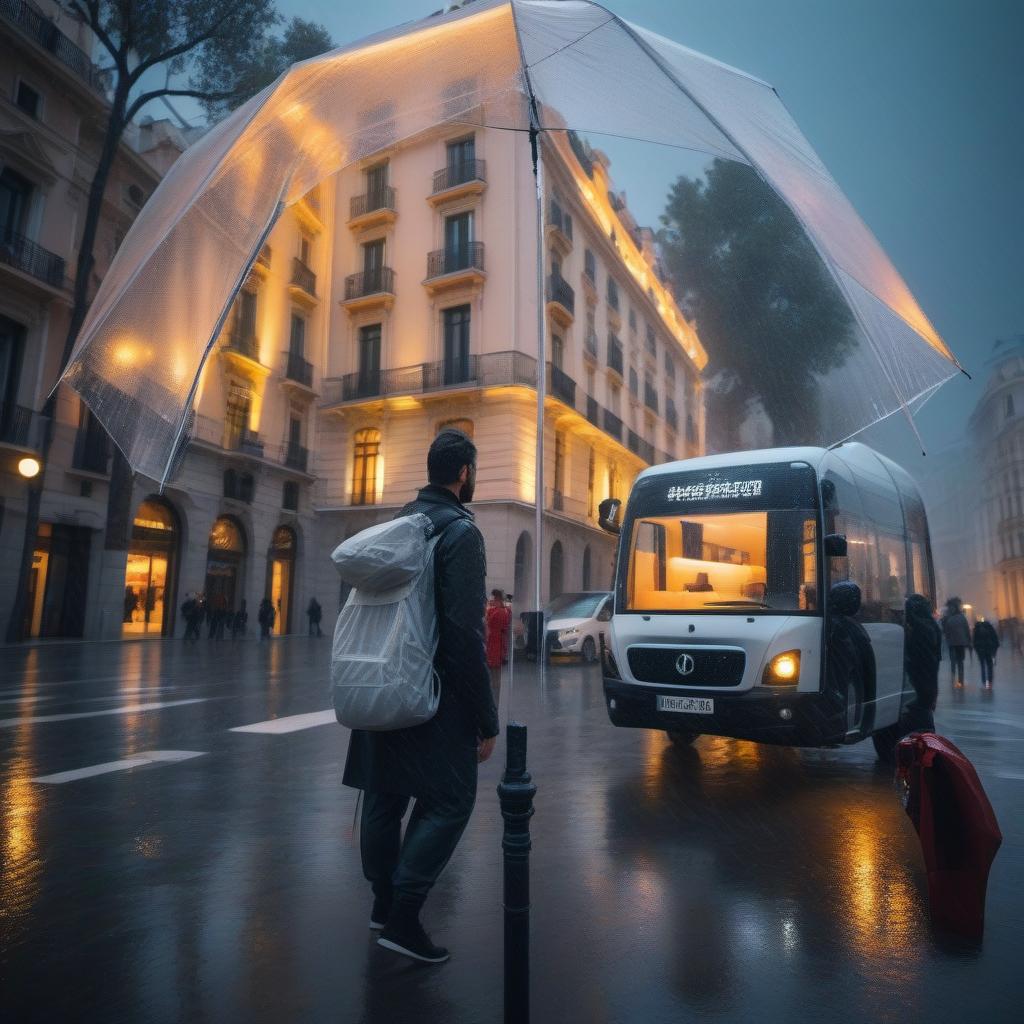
x=720, y=624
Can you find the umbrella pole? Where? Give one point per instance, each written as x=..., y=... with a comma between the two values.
x=538, y=568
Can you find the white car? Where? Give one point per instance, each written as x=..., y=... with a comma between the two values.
x=574, y=622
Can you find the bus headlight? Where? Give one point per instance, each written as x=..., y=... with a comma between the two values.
x=783, y=669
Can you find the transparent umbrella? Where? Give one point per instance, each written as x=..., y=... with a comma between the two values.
x=564, y=69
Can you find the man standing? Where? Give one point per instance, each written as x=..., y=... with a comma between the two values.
x=314, y=613
x=434, y=763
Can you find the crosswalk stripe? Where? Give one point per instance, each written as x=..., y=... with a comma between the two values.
x=128, y=710
x=143, y=757
x=293, y=723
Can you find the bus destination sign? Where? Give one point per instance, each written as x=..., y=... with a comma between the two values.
x=711, y=490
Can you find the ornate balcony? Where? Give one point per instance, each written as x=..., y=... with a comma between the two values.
x=455, y=267
x=593, y=411
x=370, y=289
x=468, y=177
x=23, y=254
x=302, y=286
x=559, y=228
x=562, y=386
x=561, y=300
x=298, y=372
x=296, y=457
x=372, y=208
x=612, y=424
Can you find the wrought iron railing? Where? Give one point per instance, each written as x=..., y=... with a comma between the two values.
x=35, y=24
x=495, y=369
x=244, y=344
x=612, y=424
x=20, y=426
x=452, y=260
x=377, y=199
x=615, y=354
x=563, y=386
x=459, y=174
x=379, y=281
x=298, y=369
x=593, y=411
x=633, y=442
x=296, y=456
x=303, y=277
x=560, y=291
x=23, y=254
x=558, y=218
x=245, y=441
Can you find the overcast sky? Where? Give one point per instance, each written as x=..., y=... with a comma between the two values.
x=916, y=108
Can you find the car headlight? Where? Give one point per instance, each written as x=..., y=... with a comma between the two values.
x=783, y=669
x=564, y=634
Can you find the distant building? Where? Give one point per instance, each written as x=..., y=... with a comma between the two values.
x=52, y=107
x=997, y=435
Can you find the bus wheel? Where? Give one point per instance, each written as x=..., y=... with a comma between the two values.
x=854, y=706
x=589, y=650
x=681, y=737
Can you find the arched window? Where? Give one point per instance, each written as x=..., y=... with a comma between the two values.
x=586, y=568
x=466, y=426
x=556, y=577
x=365, y=458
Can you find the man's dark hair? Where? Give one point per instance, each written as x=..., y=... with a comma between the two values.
x=449, y=452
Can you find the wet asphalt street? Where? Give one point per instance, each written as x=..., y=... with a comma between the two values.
x=728, y=882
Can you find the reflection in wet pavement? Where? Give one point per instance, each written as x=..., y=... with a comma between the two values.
x=726, y=881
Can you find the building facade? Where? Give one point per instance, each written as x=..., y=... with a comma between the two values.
x=53, y=108
x=398, y=297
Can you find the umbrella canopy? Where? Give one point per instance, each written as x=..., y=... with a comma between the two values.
x=556, y=65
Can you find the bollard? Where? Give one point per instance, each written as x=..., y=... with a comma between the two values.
x=515, y=794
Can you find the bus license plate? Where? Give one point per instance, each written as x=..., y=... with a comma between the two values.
x=689, y=705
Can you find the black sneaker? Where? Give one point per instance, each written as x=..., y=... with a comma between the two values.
x=409, y=939
x=380, y=913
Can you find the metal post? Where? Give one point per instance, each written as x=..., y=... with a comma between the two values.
x=515, y=794
x=538, y=569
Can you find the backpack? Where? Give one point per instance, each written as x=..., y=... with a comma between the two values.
x=385, y=639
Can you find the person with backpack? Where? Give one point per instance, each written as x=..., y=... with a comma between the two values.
x=957, y=633
x=986, y=643
x=433, y=763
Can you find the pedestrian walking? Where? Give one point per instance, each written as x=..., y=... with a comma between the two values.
x=239, y=621
x=498, y=618
x=131, y=602
x=851, y=666
x=192, y=614
x=957, y=632
x=922, y=652
x=265, y=617
x=986, y=643
x=314, y=613
x=435, y=763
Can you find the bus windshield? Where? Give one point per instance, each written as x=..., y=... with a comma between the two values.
x=703, y=545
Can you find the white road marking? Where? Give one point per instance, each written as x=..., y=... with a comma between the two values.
x=292, y=723
x=129, y=710
x=143, y=757
x=1003, y=773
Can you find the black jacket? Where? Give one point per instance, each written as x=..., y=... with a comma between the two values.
x=438, y=758
x=986, y=640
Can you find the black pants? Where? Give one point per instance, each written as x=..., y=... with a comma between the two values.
x=408, y=866
x=987, y=667
x=956, y=663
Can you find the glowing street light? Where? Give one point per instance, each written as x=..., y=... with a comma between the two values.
x=29, y=467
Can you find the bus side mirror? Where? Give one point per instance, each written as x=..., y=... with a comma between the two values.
x=835, y=545
x=608, y=515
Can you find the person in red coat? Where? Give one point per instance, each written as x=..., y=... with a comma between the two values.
x=498, y=617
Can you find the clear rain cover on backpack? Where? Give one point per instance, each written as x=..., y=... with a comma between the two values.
x=382, y=658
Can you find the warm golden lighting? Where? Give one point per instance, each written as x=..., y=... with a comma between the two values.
x=29, y=467
x=785, y=666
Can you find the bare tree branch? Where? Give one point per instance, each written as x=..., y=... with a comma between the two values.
x=155, y=94
x=182, y=48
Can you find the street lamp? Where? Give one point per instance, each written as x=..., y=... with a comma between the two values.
x=29, y=467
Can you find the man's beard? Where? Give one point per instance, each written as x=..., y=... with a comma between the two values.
x=466, y=491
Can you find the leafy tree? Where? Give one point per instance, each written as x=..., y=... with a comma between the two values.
x=767, y=310
x=216, y=51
